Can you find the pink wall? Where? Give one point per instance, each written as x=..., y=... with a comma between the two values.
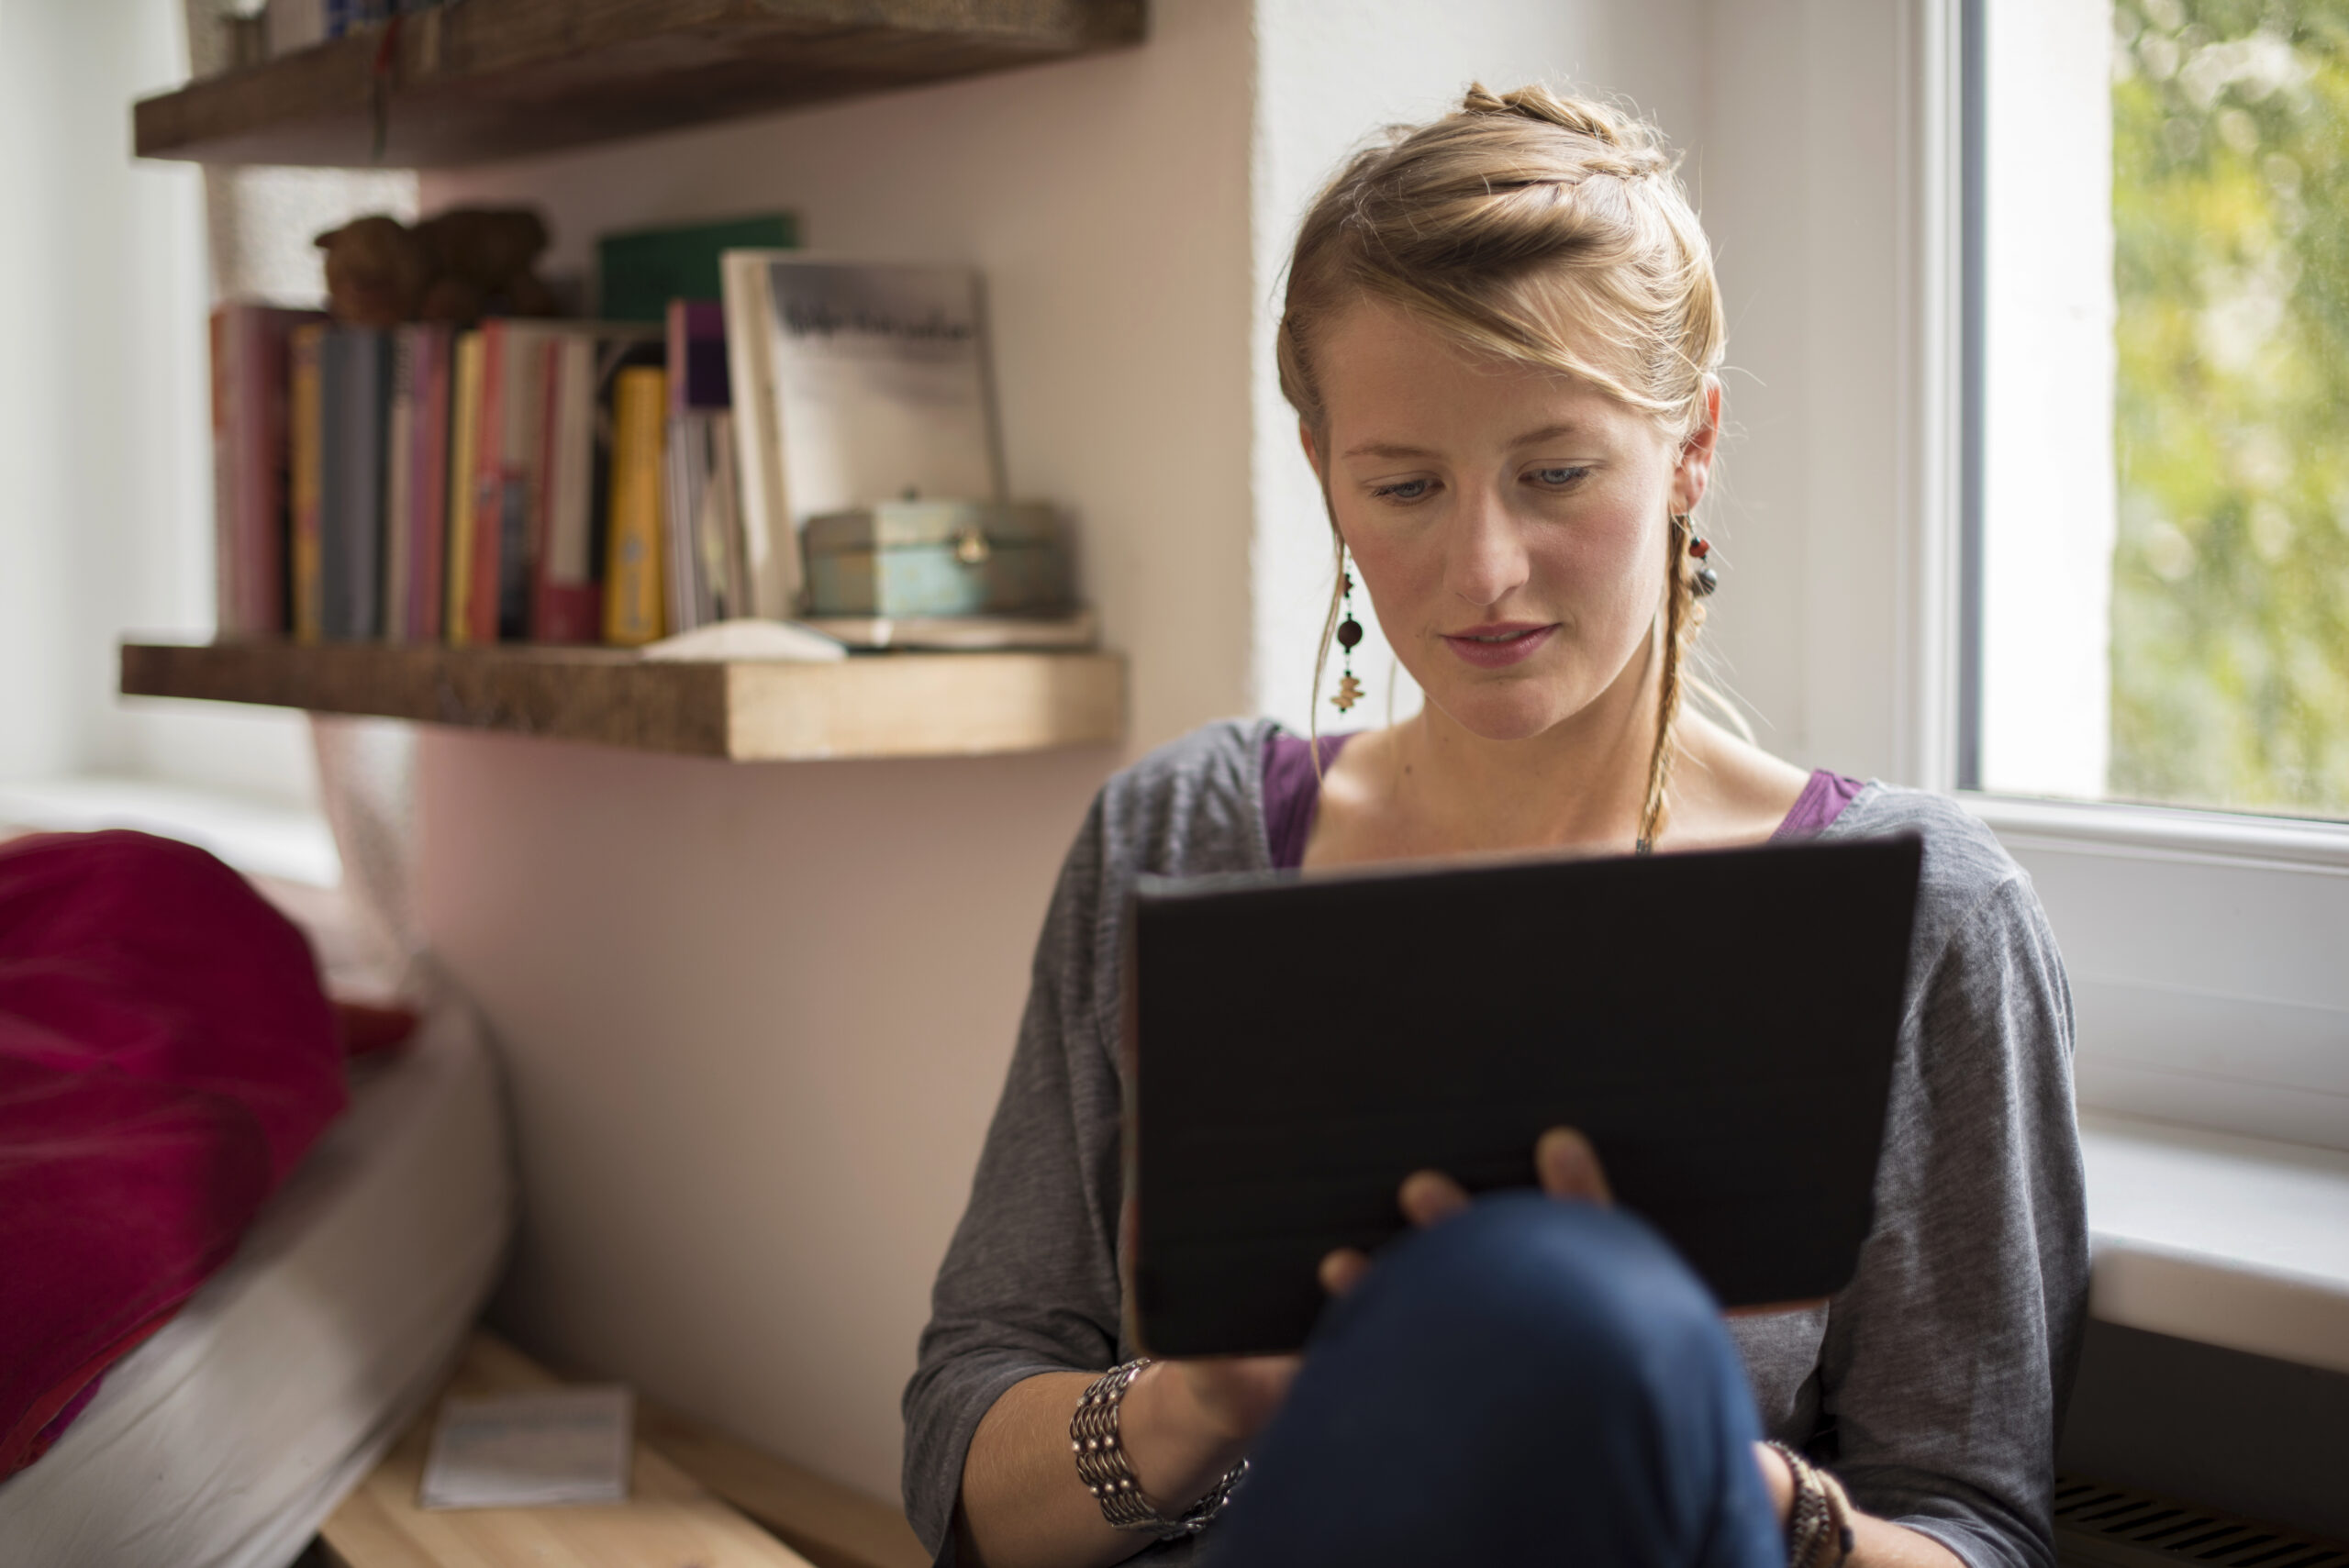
x=755, y=1018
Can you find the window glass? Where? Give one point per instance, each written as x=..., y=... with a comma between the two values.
x=2182, y=636
x=2231, y=269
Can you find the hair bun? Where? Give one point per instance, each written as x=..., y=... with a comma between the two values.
x=1581, y=116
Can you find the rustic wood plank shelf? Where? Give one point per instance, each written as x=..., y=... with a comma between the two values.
x=886, y=705
x=478, y=79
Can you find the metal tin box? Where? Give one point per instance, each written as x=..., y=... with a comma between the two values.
x=938, y=558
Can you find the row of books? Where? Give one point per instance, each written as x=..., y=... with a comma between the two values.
x=572, y=482
x=292, y=25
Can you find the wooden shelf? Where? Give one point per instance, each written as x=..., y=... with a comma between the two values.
x=885, y=705
x=477, y=79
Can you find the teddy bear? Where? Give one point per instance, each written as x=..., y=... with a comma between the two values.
x=452, y=268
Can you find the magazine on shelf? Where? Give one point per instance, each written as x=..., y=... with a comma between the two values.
x=769, y=550
x=854, y=383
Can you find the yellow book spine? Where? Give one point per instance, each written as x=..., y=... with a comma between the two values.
x=632, y=575
x=464, y=437
x=304, y=433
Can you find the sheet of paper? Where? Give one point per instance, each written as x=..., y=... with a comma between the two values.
x=528, y=1450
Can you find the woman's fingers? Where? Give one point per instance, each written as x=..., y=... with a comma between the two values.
x=1563, y=1158
x=1430, y=1196
x=1343, y=1270
x=1569, y=1168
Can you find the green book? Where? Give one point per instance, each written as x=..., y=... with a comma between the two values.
x=640, y=271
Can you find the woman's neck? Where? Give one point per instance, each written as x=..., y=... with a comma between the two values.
x=1430, y=787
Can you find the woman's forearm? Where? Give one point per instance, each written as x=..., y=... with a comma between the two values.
x=1876, y=1543
x=1880, y=1543
x=1022, y=1504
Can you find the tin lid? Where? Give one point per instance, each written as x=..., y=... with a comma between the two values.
x=919, y=525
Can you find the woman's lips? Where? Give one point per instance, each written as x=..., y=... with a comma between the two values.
x=1499, y=647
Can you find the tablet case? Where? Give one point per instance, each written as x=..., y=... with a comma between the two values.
x=1722, y=1025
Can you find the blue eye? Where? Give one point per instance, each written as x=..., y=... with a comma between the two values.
x=1405, y=490
x=1557, y=478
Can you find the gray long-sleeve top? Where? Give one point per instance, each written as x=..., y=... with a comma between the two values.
x=1932, y=1383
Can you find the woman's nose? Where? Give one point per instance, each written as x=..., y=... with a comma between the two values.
x=1485, y=556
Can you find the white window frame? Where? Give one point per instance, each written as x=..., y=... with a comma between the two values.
x=2208, y=951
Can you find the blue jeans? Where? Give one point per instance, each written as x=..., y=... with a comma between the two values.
x=1528, y=1382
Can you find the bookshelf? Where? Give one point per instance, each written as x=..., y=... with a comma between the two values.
x=877, y=706
x=479, y=81
x=474, y=80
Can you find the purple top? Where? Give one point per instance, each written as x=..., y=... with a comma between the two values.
x=1293, y=796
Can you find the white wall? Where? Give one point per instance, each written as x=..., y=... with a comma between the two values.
x=757, y=1017
x=106, y=512
x=1808, y=186
x=753, y=1019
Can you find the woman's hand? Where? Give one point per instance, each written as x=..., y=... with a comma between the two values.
x=1232, y=1397
x=1564, y=1160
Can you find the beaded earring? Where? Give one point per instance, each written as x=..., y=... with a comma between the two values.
x=1349, y=633
x=1705, y=580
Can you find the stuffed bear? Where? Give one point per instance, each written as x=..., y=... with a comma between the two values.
x=377, y=271
x=454, y=268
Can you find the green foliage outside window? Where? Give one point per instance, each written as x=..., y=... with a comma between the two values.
x=2230, y=571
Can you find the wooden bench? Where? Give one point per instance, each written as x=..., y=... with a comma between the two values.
x=677, y=1515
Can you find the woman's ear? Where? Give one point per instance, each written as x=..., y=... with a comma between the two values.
x=1313, y=454
x=1695, y=470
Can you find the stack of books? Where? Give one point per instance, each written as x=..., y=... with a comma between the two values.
x=613, y=482
x=426, y=484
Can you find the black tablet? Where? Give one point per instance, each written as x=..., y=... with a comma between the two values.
x=1722, y=1025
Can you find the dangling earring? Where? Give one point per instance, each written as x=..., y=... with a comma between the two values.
x=1705, y=580
x=1349, y=633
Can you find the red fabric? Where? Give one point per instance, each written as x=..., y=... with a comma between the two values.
x=166, y=1057
x=369, y=1030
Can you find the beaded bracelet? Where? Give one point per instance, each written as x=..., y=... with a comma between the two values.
x=1101, y=1463
x=1818, y=1522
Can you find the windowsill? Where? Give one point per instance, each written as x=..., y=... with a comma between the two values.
x=2232, y=1242
x=2166, y=831
x=258, y=838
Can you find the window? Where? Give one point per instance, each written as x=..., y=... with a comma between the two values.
x=2163, y=503
x=2153, y=683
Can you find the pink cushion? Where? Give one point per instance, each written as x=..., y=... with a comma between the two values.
x=166, y=1057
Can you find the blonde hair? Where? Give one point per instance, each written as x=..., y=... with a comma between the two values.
x=1544, y=230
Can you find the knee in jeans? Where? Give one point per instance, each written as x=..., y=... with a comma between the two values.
x=1589, y=1283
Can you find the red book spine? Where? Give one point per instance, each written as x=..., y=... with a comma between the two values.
x=429, y=528
x=489, y=488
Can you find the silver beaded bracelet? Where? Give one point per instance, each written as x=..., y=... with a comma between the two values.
x=1101, y=1463
x=1818, y=1522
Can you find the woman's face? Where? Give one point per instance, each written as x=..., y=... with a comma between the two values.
x=1508, y=522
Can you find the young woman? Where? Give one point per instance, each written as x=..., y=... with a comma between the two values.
x=1500, y=338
